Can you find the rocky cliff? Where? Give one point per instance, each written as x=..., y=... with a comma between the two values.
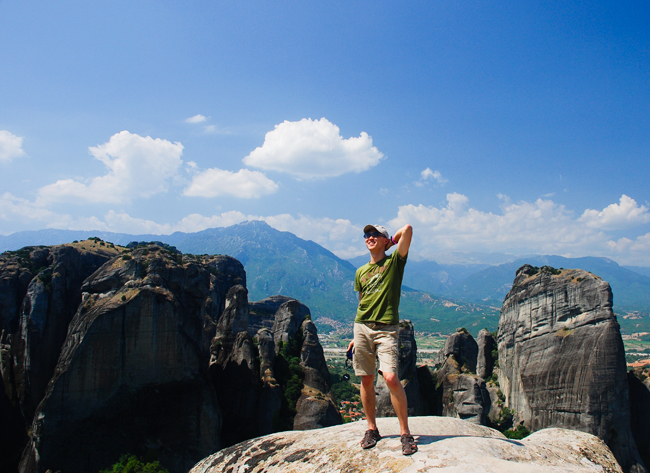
x=462, y=393
x=40, y=289
x=639, y=384
x=107, y=351
x=445, y=444
x=561, y=357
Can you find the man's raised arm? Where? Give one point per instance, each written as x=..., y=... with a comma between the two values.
x=403, y=238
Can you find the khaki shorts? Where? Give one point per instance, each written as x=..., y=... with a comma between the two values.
x=373, y=340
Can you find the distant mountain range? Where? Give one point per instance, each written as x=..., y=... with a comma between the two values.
x=436, y=297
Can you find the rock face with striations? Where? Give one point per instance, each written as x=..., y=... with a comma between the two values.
x=133, y=369
x=106, y=351
x=485, y=363
x=40, y=289
x=251, y=372
x=462, y=393
x=639, y=384
x=561, y=358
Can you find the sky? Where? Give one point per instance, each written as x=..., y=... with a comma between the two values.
x=490, y=127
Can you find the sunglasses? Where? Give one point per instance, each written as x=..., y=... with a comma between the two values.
x=373, y=234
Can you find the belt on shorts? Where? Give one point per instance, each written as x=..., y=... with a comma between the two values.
x=378, y=325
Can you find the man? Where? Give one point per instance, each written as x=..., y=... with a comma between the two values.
x=376, y=327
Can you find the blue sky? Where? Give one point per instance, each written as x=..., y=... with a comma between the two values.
x=518, y=127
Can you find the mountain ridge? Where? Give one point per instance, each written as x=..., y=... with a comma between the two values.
x=443, y=296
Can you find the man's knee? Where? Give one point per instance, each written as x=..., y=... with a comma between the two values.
x=392, y=380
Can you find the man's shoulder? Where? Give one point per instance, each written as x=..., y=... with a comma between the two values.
x=396, y=256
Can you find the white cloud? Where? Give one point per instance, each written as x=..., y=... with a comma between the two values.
x=616, y=216
x=196, y=119
x=11, y=146
x=313, y=149
x=243, y=183
x=525, y=227
x=428, y=175
x=137, y=167
x=13, y=208
x=213, y=130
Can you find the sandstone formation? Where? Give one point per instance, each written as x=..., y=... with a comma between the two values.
x=40, y=289
x=485, y=362
x=445, y=444
x=462, y=393
x=133, y=369
x=252, y=373
x=107, y=350
x=640, y=410
x=462, y=346
x=561, y=358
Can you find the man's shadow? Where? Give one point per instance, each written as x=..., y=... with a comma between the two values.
x=429, y=439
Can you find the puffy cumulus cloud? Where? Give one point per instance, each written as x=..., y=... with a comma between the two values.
x=11, y=146
x=524, y=227
x=313, y=149
x=196, y=119
x=137, y=167
x=428, y=175
x=243, y=183
x=340, y=236
x=616, y=216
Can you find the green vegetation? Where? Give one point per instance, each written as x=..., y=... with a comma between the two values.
x=131, y=464
x=136, y=244
x=550, y=269
x=517, y=434
x=344, y=389
x=289, y=375
x=45, y=276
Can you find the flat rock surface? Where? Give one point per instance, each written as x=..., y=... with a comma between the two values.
x=445, y=444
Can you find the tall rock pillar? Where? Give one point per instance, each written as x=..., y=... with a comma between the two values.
x=561, y=357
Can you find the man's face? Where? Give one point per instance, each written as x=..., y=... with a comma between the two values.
x=375, y=240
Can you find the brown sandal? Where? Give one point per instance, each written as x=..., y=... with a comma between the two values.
x=370, y=438
x=409, y=447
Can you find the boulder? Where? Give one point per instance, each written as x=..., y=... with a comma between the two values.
x=561, y=358
x=445, y=444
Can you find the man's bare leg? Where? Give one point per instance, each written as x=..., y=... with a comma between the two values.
x=398, y=398
x=368, y=400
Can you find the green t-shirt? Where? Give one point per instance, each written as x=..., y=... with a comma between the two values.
x=380, y=286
